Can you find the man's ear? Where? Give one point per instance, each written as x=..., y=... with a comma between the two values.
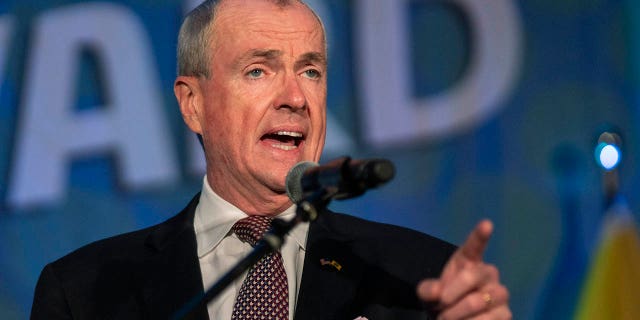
x=189, y=96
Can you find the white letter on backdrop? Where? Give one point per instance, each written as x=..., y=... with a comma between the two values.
x=131, y=126
x=389, y=111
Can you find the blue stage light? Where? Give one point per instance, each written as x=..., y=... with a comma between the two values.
x=607, y=155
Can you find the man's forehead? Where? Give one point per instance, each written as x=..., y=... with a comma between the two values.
x=244, y=7
x=258, y=31
x=262, y=15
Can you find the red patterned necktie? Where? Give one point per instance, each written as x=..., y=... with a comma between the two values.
x=265, y=292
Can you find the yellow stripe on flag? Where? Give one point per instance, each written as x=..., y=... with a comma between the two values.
x=612, y=287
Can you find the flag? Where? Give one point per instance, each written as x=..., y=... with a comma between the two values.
x=612, y=286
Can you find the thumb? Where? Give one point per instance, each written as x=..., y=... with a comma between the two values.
x=429, y=290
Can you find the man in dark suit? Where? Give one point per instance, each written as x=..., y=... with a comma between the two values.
x=252, y=83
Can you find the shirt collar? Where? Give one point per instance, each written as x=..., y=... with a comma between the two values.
x=215, y=216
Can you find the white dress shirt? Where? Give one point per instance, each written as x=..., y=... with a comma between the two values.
x=219, y=249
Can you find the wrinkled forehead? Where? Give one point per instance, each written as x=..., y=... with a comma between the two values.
x=293, y=20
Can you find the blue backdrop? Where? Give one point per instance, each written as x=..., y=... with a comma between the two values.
x=488, y=109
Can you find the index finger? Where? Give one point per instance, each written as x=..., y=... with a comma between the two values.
x=475, y=245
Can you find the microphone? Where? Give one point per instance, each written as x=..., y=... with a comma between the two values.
x=342, y=178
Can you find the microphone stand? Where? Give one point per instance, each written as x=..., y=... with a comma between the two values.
x=308, y=209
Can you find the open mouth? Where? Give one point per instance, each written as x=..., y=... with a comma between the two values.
x=284, y=140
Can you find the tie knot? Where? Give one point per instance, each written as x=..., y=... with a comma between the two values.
x=252, y=228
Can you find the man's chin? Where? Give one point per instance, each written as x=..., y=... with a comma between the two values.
x=280, y=190
x=277, y=186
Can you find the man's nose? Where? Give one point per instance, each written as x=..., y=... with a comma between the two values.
x=291, y=96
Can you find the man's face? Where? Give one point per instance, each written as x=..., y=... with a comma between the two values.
x=264, y=105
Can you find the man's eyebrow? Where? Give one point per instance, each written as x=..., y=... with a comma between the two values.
x=268, y=54
x=312, y=57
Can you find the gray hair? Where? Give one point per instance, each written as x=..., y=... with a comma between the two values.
x=193, y=40
x=195, y=36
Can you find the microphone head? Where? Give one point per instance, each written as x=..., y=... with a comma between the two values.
x=293, y=181
x=379, y=171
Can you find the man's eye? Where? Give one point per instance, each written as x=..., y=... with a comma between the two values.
x=312, y=74
x=255, y=73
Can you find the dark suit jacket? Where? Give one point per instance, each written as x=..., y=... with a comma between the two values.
x=152, y=273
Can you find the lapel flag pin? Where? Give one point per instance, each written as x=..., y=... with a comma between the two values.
x=332, y=263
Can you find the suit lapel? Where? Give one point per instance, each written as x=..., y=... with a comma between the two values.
x=327, y=289
x=172, y=273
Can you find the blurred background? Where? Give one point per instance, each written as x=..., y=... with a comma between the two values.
x=488, y=109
